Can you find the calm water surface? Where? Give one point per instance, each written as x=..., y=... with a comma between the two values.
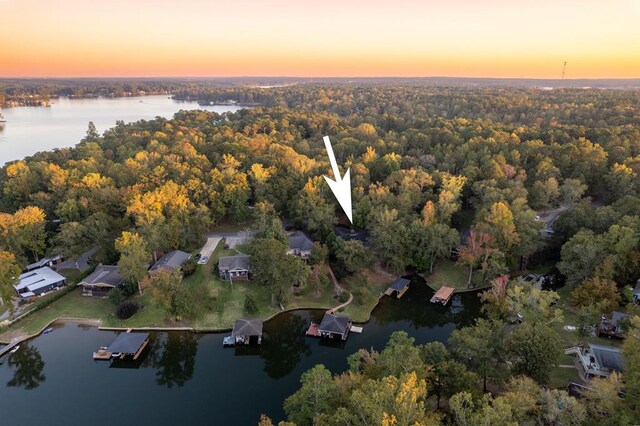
x=29, y=130
x=187, y=378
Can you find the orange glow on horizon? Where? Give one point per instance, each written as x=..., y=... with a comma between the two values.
x=404, y=38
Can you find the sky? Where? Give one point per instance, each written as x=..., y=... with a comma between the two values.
x=329, y=38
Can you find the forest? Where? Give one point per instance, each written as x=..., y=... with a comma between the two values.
x=433, y=170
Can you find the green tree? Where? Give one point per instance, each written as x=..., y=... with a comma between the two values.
x=430, y=243
x=170, y=293
x=481, y=348
x=580, y=256
x=352, y=255
x=446, y=375
x=534, y=350
x=133, y=257
x=315, y=396
x=271, y=266
x=389, y=240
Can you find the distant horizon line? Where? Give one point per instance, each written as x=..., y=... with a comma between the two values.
x=231, y=77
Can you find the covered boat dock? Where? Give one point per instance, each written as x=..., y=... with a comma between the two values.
x=443, y=295
x=399, y=286
x=126, y=344
x=245, y=331
x=331, y=326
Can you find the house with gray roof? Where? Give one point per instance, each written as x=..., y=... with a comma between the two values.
x=300, y=245
x=101, y=281
x=599, y=360
x=38, y=281
x=234, y=267
x=45, y=261
x=170, y=261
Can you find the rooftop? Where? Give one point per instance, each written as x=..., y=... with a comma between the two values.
x=247, y=327
x=608, y=357
x=229, y=263
x=38, y=278
x=444, y=293
x=298, y=240
x=103, y=276
x=334, y=323
x=350, y=234
x=128, y=343
x=171, y=260
x=400, y=284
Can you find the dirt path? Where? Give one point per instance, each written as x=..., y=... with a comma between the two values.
x=339, y=290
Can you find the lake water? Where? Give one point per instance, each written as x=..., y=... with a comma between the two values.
x=29, y=130
x=188, y=378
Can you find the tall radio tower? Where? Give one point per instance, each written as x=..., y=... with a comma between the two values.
x=564, y=68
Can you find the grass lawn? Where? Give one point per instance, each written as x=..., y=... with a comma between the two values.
x=447, y=272
x=366, y=288
x=560, y=377
x=227, y=226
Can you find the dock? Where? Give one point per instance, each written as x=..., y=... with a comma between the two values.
x=443, y=295
x=313, y=330
x=126, y=345
x=10, y=346
x=356, y=329
x=102, y=354
x=399, y=286
x=331, y=326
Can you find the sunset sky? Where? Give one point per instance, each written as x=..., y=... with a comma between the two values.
x=472, y=38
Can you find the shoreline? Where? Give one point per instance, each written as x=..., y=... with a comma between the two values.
x=94, y=322
x=455, y=291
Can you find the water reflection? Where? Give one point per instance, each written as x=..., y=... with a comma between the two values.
x=416, y=309
x=28, y=365
x=177, y=358
x=285, y=343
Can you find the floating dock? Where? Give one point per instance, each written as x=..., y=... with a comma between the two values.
x=443, y=295
x=356, y=329
x=313, y=330
x=102, y=354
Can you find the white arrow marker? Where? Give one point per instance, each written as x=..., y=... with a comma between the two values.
x=341, y=187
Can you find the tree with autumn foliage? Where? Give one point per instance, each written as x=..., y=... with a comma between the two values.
x=23, y=232
x=9, y=273
x=134, y=258
x=480, y=251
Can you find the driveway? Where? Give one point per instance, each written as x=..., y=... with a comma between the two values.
x=81, y=263
x=209, y=248
x=550, y=216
